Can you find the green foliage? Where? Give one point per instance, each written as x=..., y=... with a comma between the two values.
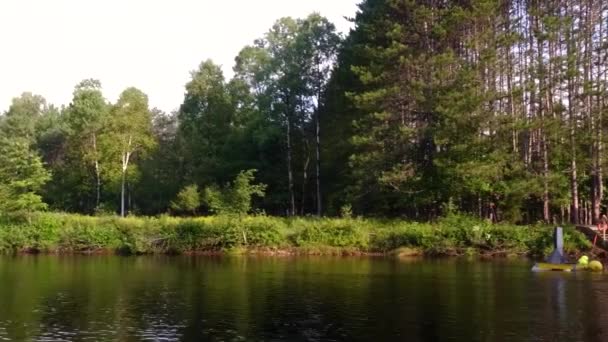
x=159, y=180
x=129, y=127
x=128, y=135
x=23, y=117
x=79, y=167
x=194, y=235
x=206, y=120
x=105, y=209
x=22, y=174
x=454, y=235
x=235, y=198
x=88, y=109
x=333, y=233
x=187, y=200
x=493, y=109
x=346, y=211
x=420, y=113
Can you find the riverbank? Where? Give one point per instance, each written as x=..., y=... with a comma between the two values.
x=455, y=235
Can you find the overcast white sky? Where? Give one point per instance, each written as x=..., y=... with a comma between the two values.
x=47, y=46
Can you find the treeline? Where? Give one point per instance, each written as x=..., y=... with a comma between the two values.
x=490, y=107
x=124, y=157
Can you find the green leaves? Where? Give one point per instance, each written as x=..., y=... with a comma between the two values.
x=23, y=116
x=187, y=200
x=87, y=113
x=486, y=107
x=22, y=174
x=129, y=127
x=206, y=120
x=235, y=198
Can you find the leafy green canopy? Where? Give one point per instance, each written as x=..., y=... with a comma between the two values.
x=187, y=200
x=22, y=174
x=234, y=198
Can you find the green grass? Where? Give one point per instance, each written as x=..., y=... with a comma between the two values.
x=455, y=235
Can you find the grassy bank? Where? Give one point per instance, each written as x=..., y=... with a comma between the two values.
x=57, y=232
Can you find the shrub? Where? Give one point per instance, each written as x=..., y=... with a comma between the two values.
x=187, y=201
x=331, y=232
x=262, y=231
x=166, y=234
x=234, y=198
x=22, y=174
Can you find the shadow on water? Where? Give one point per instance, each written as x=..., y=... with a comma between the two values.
x=107, y=298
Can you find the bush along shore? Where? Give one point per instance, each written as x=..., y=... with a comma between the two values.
x=454, y=235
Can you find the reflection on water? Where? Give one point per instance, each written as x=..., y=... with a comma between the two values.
x=51, y=298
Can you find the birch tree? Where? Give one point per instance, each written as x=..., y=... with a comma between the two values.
x=87, y=117
x=128, y=134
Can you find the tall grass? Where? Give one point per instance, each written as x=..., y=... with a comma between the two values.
x=59, y=232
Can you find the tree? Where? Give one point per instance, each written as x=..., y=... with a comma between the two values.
x=493, y=108
x=22, y=174
x=22, y=117
x=205, y=124
x=86, y=117
x=320, y=45
x=260, y=140
x=486, y=104
x=287, y=87
x=187, y=200
x=128, y=134
x=287, y=71
x=160, y=171
x=234, y=198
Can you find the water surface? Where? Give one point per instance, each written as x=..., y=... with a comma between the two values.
x=108, y=298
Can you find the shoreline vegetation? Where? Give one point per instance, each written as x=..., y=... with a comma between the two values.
x=453, y=235
x=498, y=112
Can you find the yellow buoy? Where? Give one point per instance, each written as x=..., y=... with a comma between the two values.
x=583, y=261
x=596, y=266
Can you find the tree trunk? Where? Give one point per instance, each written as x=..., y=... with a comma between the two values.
x=598, y=180
x=574, y=210
x=541, y=114
x=292, y=204
x=546, y=208
x=125, y=164
x=97, y=173
x=304, y=178
x=129, y=205
x=600, y=104
x=573, y=173
x=122, y=194
x=318, y=159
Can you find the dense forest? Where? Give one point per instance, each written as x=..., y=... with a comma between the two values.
x=493, y=108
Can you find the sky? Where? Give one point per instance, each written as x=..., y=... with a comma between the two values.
x=48, y=46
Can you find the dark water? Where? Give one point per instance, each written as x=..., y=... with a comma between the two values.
x=51, y=298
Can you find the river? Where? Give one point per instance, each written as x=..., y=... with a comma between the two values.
x=110, y=298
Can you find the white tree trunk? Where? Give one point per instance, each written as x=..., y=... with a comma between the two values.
x=125, y=164
x=318, y=161
x=97, y=173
